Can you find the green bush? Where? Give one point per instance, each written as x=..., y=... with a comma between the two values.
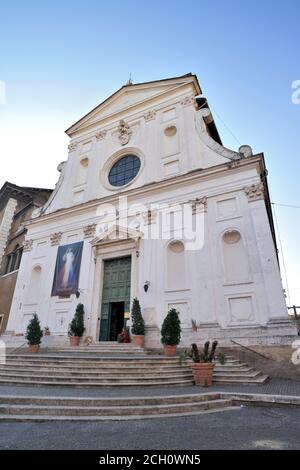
x=171, y=329
x=138, y=324
x=34, y=332
x=76, y=327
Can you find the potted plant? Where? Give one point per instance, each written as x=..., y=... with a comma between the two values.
x=171, y=332
x=76, y=327
x=194, y=325
x=138, y=324
x=34, y=334
x=46, y=331
x=203, y=364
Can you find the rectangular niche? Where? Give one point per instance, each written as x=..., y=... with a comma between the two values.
x=61, y=321
x=171, y=168
x=86, y=147
x=150, y=316
x=72, y=238
x=41, y=248
x=227, y=208
x=78, y=196
x=169, y=114
x=183, y=308
x=241, y=310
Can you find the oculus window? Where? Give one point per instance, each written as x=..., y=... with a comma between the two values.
x=124, y=170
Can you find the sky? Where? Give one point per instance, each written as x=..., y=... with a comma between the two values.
x=59, y=59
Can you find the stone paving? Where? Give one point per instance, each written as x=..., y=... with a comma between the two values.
x=272, y=386
x=245, y=428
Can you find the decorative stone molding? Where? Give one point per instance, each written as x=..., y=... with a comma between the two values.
x=72, y=146
x=100, y=135
x=89, y=230
x=199, y=205
x=233, y=164
x=188, y=101
x=150, y=216
x=124, y=132
x=255, y=191
x=27, y=245
x=150, y=115
x=55, y=238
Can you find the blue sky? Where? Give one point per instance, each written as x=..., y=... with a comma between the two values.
x=59, y=59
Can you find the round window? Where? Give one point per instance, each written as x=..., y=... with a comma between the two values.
x=124, y=170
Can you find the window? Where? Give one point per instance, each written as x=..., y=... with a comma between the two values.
x=124, y=170
x=14, y=259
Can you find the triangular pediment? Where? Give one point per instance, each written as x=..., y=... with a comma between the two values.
x=133, y=95
x=117, y=233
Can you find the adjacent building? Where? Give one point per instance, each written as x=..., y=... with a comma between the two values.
x=17, y=205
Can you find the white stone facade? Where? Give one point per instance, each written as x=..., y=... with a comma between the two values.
x=229, y=283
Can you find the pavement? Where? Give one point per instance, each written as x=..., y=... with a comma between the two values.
x=272, y=386
x=245, y=428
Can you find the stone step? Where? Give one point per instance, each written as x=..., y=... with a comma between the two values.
x=107, y=411
x=130, y=401
x=26, y=408
x=136, y=383
x=260, y=379
x=101, y=350
x=54, y=376
x=92, y=370
x=96, y=359
x=219, y=374
x=233, y=367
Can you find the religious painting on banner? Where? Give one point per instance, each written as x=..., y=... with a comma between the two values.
x=67, y=269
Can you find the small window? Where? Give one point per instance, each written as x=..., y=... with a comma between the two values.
x=124, y=170
x=14, y=260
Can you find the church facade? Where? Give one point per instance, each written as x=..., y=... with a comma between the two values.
x=150, y=204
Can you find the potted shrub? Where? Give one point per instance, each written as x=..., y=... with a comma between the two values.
x=171, y=332
x=34, y=334
x=194, y=325
x=76, y=327
x=203, y=364
x=138, y=324
x=46, y=331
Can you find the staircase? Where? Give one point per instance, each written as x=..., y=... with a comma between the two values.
x=95, y=366
x=236, y=372
x=22, y=408
x=113, y=365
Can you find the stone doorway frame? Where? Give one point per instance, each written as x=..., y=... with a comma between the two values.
x=107, y=247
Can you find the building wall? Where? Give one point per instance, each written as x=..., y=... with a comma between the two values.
x=7, y=287
x=226, y=308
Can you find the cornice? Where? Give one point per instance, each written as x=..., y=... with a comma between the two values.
x=201, y=174
x=115, y=115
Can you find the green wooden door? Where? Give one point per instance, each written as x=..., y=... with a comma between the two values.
x=116, y=288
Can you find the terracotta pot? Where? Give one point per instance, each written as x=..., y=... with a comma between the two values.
x=34, y=348
x=47, y=333
x=195, y=328
x=138, y=340
x=169, y=350
x=202, y=373
x=74, y=340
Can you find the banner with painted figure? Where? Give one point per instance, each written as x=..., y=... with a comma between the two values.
x=67, y=269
